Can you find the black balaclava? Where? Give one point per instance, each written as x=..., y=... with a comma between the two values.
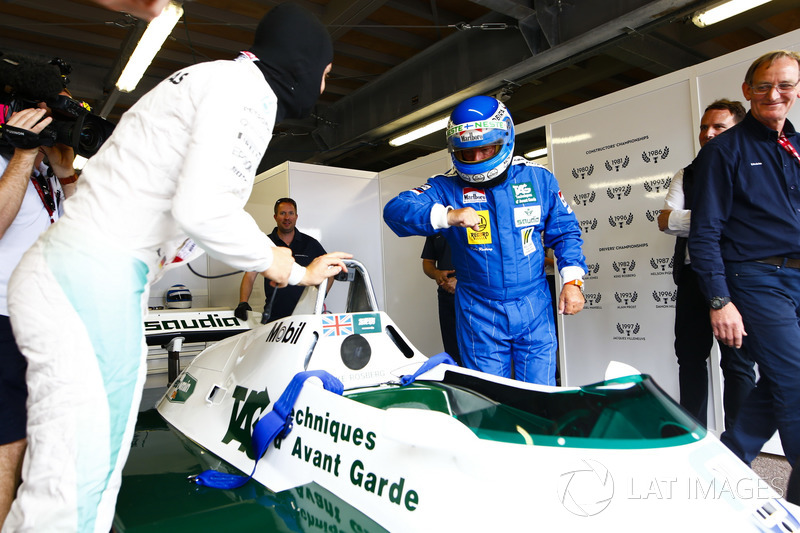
x=293, y=49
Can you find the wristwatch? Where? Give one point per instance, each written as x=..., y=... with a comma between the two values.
x=718, y=302
x=577, y=282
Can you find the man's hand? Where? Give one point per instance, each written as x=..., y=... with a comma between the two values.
x=466, y=217
x=441, y=276
x=571, y=300
x=728, y=326
x=450, y=285
x=281, y=267
x=60, y=157
x=663, y=219
x=325, y=266
x=30, y=119
x=241, y=311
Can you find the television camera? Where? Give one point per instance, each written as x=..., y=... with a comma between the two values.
x=25, y=83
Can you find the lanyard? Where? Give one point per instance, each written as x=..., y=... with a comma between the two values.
x=46, y=194
x=783, y=141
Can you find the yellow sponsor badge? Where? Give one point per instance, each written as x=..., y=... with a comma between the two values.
x=484, y=233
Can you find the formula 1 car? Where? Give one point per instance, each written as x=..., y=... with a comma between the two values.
x=381, y=436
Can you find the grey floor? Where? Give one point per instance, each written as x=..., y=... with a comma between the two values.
x=774, y=469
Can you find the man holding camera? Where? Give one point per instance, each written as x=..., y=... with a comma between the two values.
x=31, y=197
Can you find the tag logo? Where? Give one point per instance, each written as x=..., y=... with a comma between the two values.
x=523, y=192
x=527, y=216
x=243, y=417
x=474, y=196
x=484, y=233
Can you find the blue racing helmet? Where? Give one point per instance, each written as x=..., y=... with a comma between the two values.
x=178, y=297
x=480, y=123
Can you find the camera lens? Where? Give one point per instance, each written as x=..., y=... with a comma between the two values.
x=90, y=139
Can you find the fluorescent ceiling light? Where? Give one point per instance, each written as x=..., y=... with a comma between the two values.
x=154, y=36
x=539, y=152
x=420, y=132
x=724, y=10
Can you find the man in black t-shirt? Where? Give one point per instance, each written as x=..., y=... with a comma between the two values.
x=304, y=249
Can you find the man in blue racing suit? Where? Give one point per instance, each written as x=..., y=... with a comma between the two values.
x=496, y=211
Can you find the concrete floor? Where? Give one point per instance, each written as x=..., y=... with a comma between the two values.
x=774, y=469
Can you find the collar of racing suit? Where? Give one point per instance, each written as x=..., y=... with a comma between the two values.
x=293, y=49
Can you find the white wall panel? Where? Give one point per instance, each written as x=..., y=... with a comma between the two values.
x=410, y=295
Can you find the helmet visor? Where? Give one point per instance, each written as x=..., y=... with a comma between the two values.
x=478, y=153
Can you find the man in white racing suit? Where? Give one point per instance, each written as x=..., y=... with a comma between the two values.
x=172, y=179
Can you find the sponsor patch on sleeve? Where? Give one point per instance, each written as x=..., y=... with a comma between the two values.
x=564, y=202
x=421, y=189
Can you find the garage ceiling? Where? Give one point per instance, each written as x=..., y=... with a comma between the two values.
x=401, y=63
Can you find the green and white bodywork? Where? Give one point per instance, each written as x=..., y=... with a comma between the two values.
x=459, y=450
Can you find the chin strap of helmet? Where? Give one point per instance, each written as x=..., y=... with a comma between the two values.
x=276, y=423
x=494, y=182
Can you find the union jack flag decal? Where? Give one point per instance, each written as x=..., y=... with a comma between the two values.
x=334, y=325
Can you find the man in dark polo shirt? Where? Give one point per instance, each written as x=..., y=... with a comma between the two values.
x=745, y=247
x=304, y=249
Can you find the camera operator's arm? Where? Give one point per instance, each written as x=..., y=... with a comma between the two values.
x=14, y=180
